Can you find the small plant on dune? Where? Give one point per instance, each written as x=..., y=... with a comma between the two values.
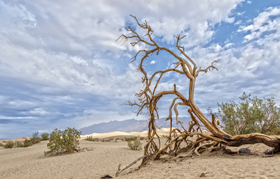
x=1, y=145
x=108, y=140
x=27, y=143
x=35, y=138
x=63, y=141
x=130, y=138
x=19, y=144
x=45, y=136
x=89, y=138
x=136, y=145
x=9, y=144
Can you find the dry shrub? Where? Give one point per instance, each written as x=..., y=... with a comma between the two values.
x=9, y=144
x=135, y=144
x=19, y=144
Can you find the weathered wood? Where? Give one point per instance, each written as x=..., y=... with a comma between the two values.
x=127, y=166
x=148, y=98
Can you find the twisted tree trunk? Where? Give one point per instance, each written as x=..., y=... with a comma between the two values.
x=148, y=99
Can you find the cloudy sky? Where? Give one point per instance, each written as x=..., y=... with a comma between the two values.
x=60, y=64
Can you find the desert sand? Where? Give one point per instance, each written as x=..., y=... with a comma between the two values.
x=30, y=162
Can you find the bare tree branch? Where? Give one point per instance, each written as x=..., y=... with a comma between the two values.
x=148, y=98
x=127, y=166
x=208, y=68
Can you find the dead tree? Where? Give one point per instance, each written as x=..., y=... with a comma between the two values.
x=148, y=98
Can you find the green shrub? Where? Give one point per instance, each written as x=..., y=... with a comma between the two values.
x=89, y=138
x=9, y=144
x=142, y=138
x=63, y=141
x=136, y=145
x=130, y=138
x=19, y=144
x=249, y=116
x=45, y=136
x=1, y=145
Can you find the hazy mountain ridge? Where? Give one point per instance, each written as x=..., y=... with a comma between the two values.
x=131, y=125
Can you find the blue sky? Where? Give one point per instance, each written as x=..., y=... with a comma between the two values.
x=60, y=65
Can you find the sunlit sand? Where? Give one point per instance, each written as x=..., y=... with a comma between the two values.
x=30, y=162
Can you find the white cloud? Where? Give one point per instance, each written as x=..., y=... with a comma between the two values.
x=262, y=24
x=238, y=22
x=102, y=19
x=230, y=20
x=60, y=50
x=64, y=59
x=228, y=45
x=240, y=13
x=252, y=68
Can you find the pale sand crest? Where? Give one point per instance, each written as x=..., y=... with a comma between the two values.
x=160, y=132
x=30, y=163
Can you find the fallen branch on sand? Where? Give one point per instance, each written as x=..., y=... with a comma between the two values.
x=124, y=168
x=127, y=166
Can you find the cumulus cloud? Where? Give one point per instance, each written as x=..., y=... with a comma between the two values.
x=230, y=20
x=263, y=24
x=61, y=65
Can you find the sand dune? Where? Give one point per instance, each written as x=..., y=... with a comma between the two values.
x=161, y=132
x=21, y=139
x=30, y=162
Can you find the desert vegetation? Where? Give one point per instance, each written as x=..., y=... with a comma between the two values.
x=19, y=144
x=90, y=138
x=135, y=144
x=130, y=139
x=65, y=141
x=33, y=140
x=250, y=115
x=45, y=136
x=106, y=140
x=26, y=143
x=149, y=96
x=9, y=144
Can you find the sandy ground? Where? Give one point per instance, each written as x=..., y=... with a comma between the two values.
x=30, y=162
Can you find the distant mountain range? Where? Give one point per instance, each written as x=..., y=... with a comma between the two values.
x=131, y=125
